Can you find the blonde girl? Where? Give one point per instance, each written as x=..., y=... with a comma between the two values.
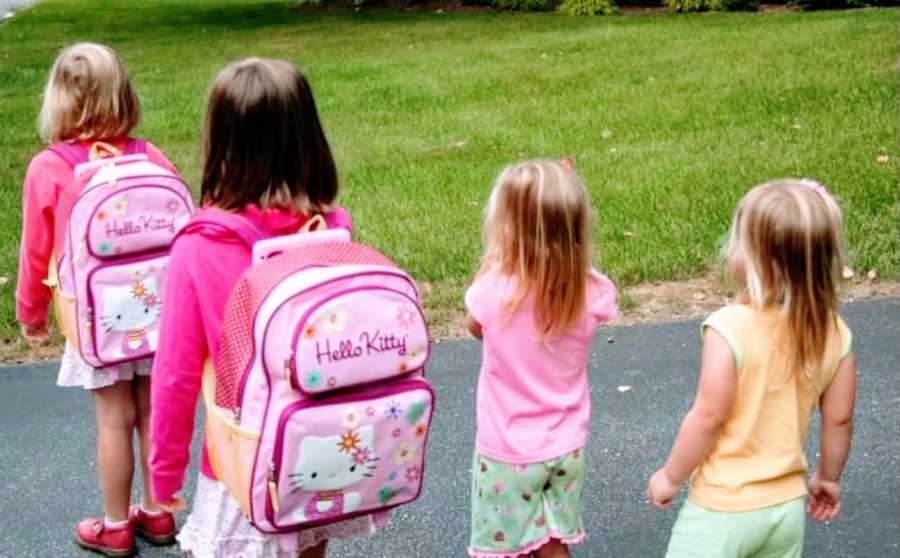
x=535, y=303
x=91, y=105
x=768, y=360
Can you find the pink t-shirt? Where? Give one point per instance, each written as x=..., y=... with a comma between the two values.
x=203, y=268
x=47, y=175
x=533, y=402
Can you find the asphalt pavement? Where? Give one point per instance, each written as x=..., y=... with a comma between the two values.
x=47, y=463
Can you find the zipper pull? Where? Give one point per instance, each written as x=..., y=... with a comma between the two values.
x=273, y=488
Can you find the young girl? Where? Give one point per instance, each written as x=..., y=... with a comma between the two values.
x=267, y=161
x=536, y=303
x=89, y=101
x=767, y=362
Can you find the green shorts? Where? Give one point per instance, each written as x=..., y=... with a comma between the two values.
x=517, y=509
x=773, y=532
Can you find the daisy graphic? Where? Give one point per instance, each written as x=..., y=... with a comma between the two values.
x=333, y=320
x=393, y=410
x=351, y=418
x=138, y=290
x=406, y=317
x=362, y=456
x=412, y=474
x=331, y=382
x=397, y=433
x=313, y=379
x=172, y=206
x=370, y=411
x=120, y=206
x=150, y=300
x=349, y=442
x=309, y=331
x=405, y=453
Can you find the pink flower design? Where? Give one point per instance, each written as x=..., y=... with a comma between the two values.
x=406, y=317
x=172, y=206
x=497, y=487
x=396, y=433
x=362, y=456
x=412, y=474
x=370, y=411
x=331, y=381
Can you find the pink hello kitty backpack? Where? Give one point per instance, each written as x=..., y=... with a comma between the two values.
x=115, y=224
x=317, y=407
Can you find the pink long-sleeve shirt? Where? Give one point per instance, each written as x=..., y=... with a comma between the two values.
x=45, y=179
x=204, y=266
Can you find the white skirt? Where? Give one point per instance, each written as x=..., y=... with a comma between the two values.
x=217, y=528
x=74, y=372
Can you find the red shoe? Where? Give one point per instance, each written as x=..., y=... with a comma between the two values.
x=93, y=534
x=155, y=529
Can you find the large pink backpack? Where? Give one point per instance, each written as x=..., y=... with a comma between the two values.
x=115, y=224
x=317, y=407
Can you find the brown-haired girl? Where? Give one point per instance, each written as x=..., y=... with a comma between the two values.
x=91, y=105
x=767, y=362
x=536, y=303
x=268, y=164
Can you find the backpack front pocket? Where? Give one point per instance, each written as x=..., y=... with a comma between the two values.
x=357, y=336
x=124, y=302
x=348, y=455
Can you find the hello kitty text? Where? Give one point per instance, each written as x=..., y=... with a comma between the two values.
x=368, y=343
x=144, y=223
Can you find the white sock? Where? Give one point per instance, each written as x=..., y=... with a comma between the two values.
x=113, y=525
x=149, y=513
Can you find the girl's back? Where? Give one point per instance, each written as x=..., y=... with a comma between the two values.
x=758, y=459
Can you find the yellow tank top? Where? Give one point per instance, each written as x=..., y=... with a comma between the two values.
x=758, y=458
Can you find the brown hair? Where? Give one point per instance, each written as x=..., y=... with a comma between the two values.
x=784, y=248
x=263, y=143
x=538, y=230
x=88, y=96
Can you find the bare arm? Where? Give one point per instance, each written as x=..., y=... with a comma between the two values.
x=834, y=440
x=701, y=426
x=474, y=327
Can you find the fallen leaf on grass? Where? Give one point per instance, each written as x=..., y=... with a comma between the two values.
x=795, y=126
x=613, y=150
x=4, y=280
x=606, y=133
x=629, y=234
x=883, y=159
x=624, y=389
x=459, y=144
x=848, y=273
x=872, y=274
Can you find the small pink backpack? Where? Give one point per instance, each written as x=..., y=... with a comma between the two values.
x=115, y=224
x=317, y=407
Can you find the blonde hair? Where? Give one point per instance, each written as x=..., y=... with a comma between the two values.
x=784, y=248
x=538, y=231
x=88, y=96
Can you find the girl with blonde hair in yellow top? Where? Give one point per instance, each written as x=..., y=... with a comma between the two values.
x=768, y=360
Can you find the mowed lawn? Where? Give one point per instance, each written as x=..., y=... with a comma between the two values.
x=670, y=118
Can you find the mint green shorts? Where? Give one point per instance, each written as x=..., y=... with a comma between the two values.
x=773, y=532
x=517, y=509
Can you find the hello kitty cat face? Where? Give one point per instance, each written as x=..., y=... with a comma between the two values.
x=335, y=462
x=131, y=307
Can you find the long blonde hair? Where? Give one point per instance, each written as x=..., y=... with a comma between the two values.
x=538, y=231
x=88, y=96
x=784, y=248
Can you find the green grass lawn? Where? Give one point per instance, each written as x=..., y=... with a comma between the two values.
x=670, y=118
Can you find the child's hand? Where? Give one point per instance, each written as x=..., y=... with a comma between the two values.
x=661, y=490
x=824, y=499
x=35, y=334
x=173, y=505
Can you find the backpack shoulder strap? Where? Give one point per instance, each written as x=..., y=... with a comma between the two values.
x=135, y=146
x=242, y=228
x=72, y=153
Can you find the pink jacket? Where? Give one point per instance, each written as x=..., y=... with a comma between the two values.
x=47, y=174
x=203, y=268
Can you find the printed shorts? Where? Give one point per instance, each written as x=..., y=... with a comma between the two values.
x=773, y=532
x=516, y=509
